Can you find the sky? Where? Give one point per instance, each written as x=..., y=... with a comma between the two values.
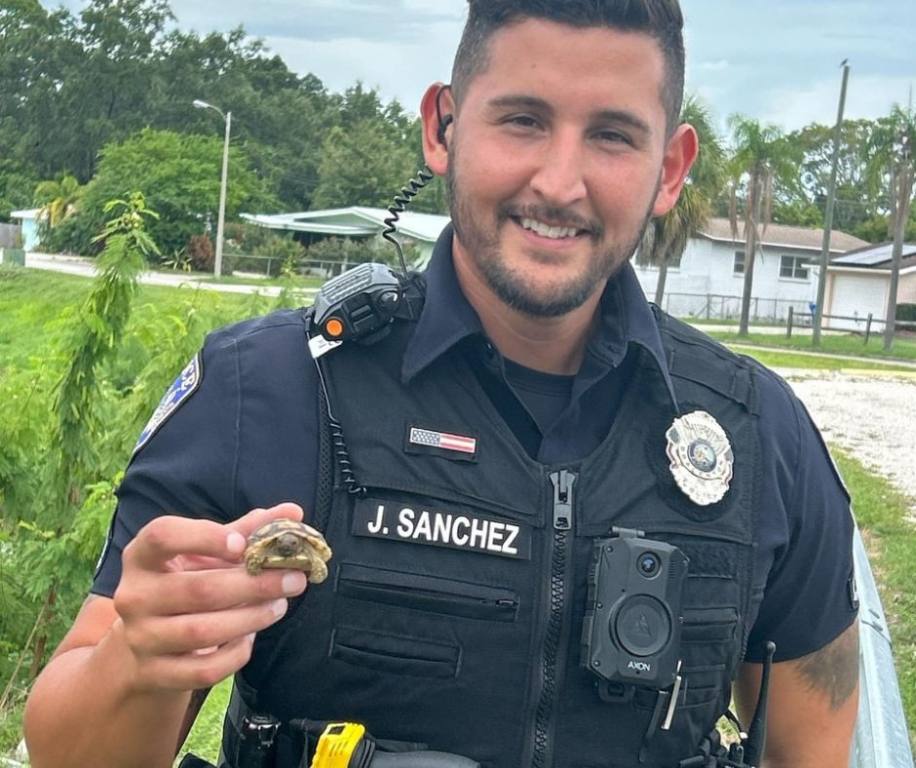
x=774, y=60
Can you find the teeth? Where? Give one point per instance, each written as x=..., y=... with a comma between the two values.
x=555, y=233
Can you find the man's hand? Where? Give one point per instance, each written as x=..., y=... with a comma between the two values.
x=813, y=705
x=118, y=689
x=188, y=610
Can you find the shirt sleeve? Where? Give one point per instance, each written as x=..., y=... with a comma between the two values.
x=808, y=599
x=187, y=466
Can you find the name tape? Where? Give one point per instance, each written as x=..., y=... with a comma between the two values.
x=386, y=519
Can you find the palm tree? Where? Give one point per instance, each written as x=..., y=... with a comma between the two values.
x=893, y=162
x=58, y=199
x=666, y=236
x=764, y=158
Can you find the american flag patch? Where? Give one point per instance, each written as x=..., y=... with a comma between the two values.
x=420, y=440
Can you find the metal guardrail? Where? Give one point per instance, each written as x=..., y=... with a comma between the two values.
x=881, y=739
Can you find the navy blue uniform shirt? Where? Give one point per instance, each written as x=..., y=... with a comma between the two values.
x=244, y=434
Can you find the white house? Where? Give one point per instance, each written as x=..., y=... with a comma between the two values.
x=359, y=221
x=858, y=285
x=28, y=220
x=709, y=280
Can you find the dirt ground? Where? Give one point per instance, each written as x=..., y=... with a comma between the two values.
x=872, y=417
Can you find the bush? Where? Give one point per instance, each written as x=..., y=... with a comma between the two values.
x=200, y=253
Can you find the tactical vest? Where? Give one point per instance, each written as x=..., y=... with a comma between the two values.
x=454, y=608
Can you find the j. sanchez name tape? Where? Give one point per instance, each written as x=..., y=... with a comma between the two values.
x=398, y=521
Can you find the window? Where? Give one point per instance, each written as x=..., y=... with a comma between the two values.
x=738, y=267
x=793, y=267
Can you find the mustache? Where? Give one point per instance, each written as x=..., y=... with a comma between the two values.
x=553, y=216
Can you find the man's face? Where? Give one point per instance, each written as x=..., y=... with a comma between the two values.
x=555, y=161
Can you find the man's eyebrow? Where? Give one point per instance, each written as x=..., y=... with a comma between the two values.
x=617, y=116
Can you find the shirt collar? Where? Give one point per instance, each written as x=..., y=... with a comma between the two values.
x=447, y=318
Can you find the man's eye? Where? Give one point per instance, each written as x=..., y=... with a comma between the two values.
x=613, y=137
x=522, y=121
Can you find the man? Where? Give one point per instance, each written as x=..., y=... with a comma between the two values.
x=463, y=466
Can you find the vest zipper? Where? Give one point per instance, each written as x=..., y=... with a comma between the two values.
x=548, y=679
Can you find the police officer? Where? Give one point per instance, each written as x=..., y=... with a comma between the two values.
x=463, y=466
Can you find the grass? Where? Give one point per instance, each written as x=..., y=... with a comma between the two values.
x=889, y=534
x=774, y=358
x=299, y=281
x=904, y=347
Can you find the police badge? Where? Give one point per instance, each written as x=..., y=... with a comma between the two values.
x=701, y=457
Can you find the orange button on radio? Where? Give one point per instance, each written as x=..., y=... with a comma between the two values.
x=334, y=327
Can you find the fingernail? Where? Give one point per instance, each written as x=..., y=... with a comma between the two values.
x=250, y=638
x=235, y=543
x=293, y=583
x=279, y=607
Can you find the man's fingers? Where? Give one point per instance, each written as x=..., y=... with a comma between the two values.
x=193, y=671
x=199, y=633
x=193, y=544
x=168, y=537
x=210, y=590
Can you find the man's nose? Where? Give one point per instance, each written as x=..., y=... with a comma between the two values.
x=560, y=176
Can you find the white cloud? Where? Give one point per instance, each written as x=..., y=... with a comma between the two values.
x=713, y=66
x=867, y=97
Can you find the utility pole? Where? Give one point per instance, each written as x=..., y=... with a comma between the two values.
x=902, y=214
x=828, y=216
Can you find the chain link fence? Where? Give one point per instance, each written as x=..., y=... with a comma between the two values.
x=713, y=306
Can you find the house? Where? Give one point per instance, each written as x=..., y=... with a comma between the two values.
x=357, y=221
x=709, y=280
x=29, y=222
x=858, y=285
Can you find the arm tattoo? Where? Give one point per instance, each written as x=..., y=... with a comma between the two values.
x=834, y=669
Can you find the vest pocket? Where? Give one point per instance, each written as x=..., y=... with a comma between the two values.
x=395, y=654
x=709, y=625
x=426, y=593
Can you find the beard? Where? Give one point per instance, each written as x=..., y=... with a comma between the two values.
x=562, y=297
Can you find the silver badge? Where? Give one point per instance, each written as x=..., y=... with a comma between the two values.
x=701, y=457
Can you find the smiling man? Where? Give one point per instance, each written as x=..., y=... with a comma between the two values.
x=564, y=525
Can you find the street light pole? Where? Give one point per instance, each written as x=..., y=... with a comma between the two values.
x=221, y=216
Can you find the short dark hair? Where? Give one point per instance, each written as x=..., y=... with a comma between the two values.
x=660, y=19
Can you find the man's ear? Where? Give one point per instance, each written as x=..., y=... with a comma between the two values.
x=680, y=153
x=437, y=110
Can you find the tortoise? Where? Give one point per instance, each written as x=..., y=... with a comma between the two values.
x=288, y=544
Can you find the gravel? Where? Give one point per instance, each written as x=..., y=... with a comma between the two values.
x=872, y=417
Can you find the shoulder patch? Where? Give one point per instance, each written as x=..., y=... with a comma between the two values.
x=182, y=388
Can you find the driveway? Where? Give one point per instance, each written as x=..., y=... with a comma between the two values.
x=872, y=416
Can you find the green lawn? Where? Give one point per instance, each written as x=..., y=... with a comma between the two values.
x=775, y=358
x=904, y=347
x=890, y=538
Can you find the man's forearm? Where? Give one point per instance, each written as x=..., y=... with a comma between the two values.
x=82, y=711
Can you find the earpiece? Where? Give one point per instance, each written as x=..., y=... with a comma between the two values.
x=444, y=123
x=444, y=120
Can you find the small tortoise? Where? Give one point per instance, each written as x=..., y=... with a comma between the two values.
x=288, y=544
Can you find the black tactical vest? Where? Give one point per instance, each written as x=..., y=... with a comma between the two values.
x=454, y=608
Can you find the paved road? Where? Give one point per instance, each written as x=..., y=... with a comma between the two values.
x=76, y=265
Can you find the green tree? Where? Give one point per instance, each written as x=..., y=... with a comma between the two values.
x=363, y=165
x=893, y=169
x=180, y=177
x=58, y=199
x=765, y=160
x=666, y=236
